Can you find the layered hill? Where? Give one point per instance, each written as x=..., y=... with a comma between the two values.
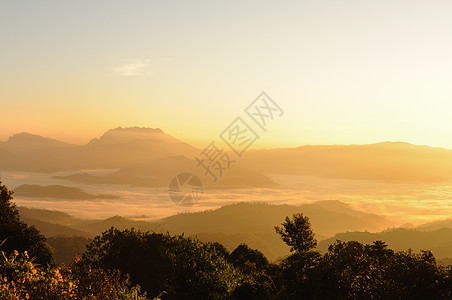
x=251, y=223
x=57, y=192
x=159, y=172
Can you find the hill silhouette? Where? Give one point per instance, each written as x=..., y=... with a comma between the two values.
x=435, y=225
x=49, y=229
x=29, y=142
x=57, y=191
x=128, y=134
x=250, y=223
x=388, y=161
x=253, y=223
x=159, y=172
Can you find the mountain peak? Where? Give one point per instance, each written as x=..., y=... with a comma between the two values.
x=136, y=129
x=127, y=134
x=24, y=136
x=25, y=140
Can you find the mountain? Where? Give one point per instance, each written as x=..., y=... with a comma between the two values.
x=51, y=222
x=435, y=225
x=29, y=152
x=47, y=220
x=114, y=179
x=168, y=167
x=57, y=191
x=122, y=147
x=6, y=159
x=47, y=215
x=159, y=172
x=128, y=148
x=253, y=223
x=125, y=135
x=49, y=229
x=116, y=148
x=250, y=223
x=388, y=161
x=29, y=142
x=98, y=226
x=258, y=217
x=5, y=153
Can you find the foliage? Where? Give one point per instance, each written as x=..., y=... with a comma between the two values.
x=97, y=283
x=244, y=254
x=353, y=270
x=297, y=233
x=67, y=248
x=18, y=235
x=297, y=275
x=257, y=283
x=21, y=278
x=183, y=267
x=221, y=249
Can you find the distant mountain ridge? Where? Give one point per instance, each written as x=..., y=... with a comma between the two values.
x=124, y=148
x=28, y=141
x=387, y=161
x=58, y=192
x=435, y=225
x=116, y=148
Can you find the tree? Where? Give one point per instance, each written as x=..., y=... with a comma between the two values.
x=379, y=249
x=183, y=267
x=296, y=279
x=221, y=249
x=297, y=233
x=351, y=270
x=243, y=254
x=17, y=234
x=257, y=283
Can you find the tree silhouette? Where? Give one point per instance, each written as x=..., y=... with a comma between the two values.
x=183, y=267
x=297, y=233
x=17, y=235
x=243, y=254
x=379, y=249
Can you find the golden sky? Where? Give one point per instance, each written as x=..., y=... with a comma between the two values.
x=344, y=72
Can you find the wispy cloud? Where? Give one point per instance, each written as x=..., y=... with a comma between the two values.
x=134, y=68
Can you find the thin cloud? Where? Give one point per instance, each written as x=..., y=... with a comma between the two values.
x=135, y=68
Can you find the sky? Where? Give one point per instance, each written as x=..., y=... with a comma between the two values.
x=344, y=72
